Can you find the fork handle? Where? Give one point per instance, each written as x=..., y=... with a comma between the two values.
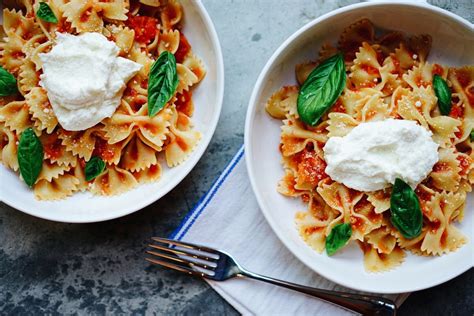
x=363, y=304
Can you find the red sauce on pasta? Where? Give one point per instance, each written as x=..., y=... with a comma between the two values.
x=338, y=107
x=443, y=239
x=312, y=230
x=305, y=198
x=311, y=167
x=437, y=70
x=64, y=26
x=85, y=15
x=103, y=150
x=135, y=102
x=457, y=111
x=53, y=149
x=183, y=49
x=357, y=223
x=183, y=120
x=82, y=163
x=169, y=13
x=145, y=28
x=150, y=127
x=434, y=226
x=441, y=167
x=370, y=70
x=121, y=176
x=197, y=71
x=396, y=64
x=18, y=55
x=181, y=143
x=423, y=195
x=419, y=81
x=184, y=103
x=464, y=163
x=153, y=169
x=104, y=181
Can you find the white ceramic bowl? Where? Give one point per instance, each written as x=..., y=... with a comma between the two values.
x=85, y=207
x=453, y=44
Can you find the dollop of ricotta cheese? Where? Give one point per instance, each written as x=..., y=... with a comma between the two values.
x=374, y=154
x=84, y=79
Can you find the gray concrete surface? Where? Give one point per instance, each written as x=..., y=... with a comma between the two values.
x=52, y=268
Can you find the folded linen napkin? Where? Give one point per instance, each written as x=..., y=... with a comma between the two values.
x=228, y=218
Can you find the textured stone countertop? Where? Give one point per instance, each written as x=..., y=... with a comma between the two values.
x=55, y=268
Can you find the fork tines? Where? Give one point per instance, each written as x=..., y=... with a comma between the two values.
x=183, y=257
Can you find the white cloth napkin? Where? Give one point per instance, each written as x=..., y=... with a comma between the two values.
x=228, y=218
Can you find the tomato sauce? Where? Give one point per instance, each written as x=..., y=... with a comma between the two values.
x=103, y=150
x=183, y=49
x=181, y=143
x=434, y=226
x=53, y=149
x=423, y=195
x=145, y=28
x=357, y=223
x=150, y=127
x=396, y=64
x=370, y=70
x=64, y=26
x=85, y=15
x=305, y=198
x=464, y=163
x=437, y=70
x=184, y=103
x=338, y=107
x=441, y=167
x=457, y=111
x=311, y=167
x=312, y=230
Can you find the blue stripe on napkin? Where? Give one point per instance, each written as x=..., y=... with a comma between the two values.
x=194, y=214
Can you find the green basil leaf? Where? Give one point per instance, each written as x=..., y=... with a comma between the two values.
x=45, y=13
x=405, y=210
x=30, y=156
x=7, y=83
x=472, y=135
x=94, y=167
x=162, y=82
x=443, y=94
x=338, y=238
x=321, y=89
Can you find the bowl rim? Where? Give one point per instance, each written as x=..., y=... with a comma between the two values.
x=188, y=165
x=251, y=112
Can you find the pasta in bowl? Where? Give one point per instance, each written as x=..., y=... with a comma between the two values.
x=389, y=82
x=106, y=98
x=368, y=165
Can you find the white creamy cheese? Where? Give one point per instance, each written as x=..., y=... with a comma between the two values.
x=85, y=79
x=374, y=154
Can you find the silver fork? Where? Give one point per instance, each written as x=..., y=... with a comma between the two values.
x=217, y=265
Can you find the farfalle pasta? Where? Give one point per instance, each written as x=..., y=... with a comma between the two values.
x=388, y=76
x=130, y=142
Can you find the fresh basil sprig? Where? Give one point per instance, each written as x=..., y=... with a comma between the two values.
x=405, y=210
x=45, y=13
x=162, y=82
x=443, y=94
x=472, y=135
x=7, y=83
x=30, y=156
x=94, y=167
x=321, y=89
x=338, y=238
